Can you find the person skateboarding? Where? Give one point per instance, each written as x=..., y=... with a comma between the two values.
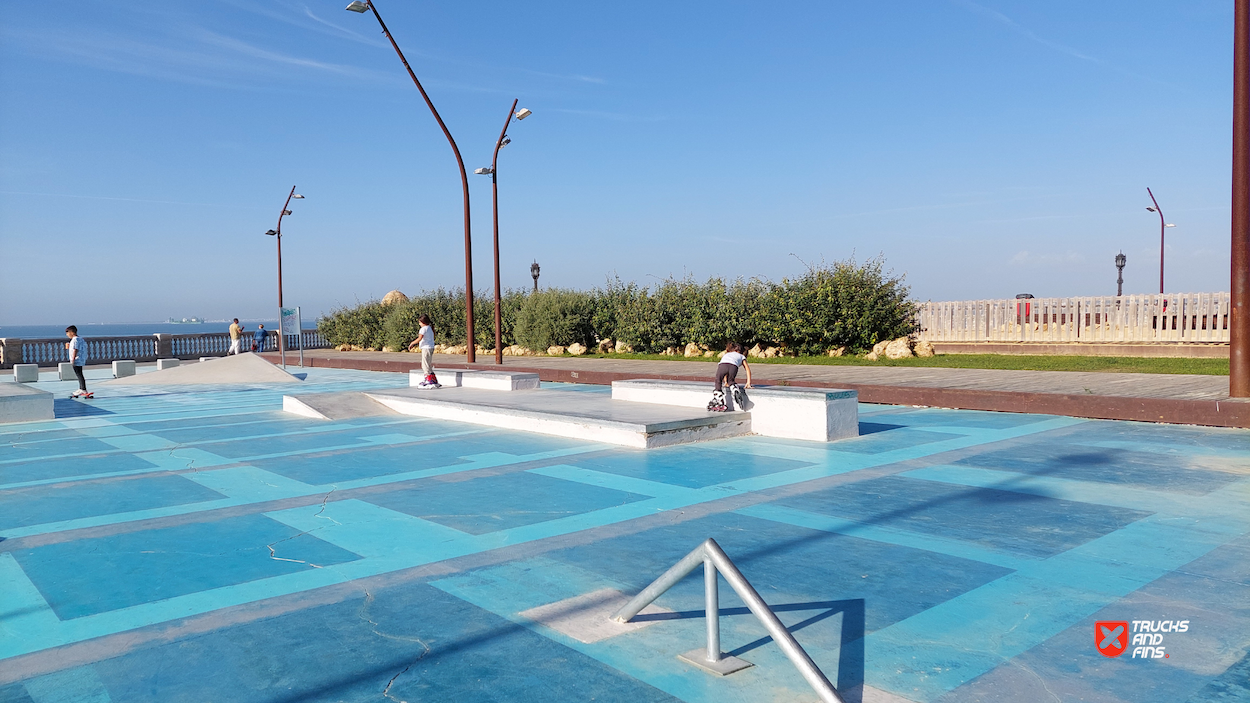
x=78, y=357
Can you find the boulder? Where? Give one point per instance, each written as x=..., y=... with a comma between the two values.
x=670, y=351
x=879, y=347
x=576, y=349
x=606, y=346
x=623, y=348
x=693, y=349
x=387, y=349
x=770, y=353
x=839, y=351
x=555, y=350
x=709, y=352
x=924, y=349
x=755, y=352
x=899, y=349
x=871, y=356
x=394, y=297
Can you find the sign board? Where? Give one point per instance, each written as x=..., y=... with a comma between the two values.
x=290, y=321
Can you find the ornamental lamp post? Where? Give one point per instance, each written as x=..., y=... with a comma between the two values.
x=534, y=273
x=277, y=234
x=1120, y=260
x=470, y=338
x=492, y=171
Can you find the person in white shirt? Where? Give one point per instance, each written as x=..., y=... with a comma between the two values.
x=425, y=341
x=727, y=374
x=78, y=357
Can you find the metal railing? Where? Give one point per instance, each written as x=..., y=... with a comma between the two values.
x=50, y=351
x=712, y=659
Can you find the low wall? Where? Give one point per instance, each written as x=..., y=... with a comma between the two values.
x=50, y=351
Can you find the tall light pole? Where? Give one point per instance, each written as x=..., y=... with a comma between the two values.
x=1239, y=325
x=470, y=338
x=277, y=234
x=493, y=172
x=1163, y=227
x=534, y=269
x=1120, y=260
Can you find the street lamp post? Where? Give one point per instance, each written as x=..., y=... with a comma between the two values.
x=470, y=339
x=534, y=273
x=494, y=186
x=1239, y=289
x=277, y=234
x=1163, y=226
x=1120, y=260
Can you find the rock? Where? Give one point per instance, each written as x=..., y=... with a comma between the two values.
x=507, y=351
x=924, y=349
x=670, y=351
x=755, y=352
x=769, y=353
x=440, y=348
x=394, y=297
x=606, y=346
x=457, y=349
x=576, y=349
x=555, y=350
x=879, y=347
x=709, y=352
x=387, y=349
x=871, y=356
x=837, y=352
x=899, y=349
x=623, y=348
x=693, y=349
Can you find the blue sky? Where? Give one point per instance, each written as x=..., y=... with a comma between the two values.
x=984, y=148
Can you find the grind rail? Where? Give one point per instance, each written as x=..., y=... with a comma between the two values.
x=714, y=560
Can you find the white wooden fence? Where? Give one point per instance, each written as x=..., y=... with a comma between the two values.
x=1174, y=317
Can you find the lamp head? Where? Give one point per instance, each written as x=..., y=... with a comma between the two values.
x=534, y=270
x=523, y=113
x=297, y=196
x=1169, y=225
x=506, y=141
x=286, y=212
x=484, y=171
x=1120, y=260
x=1151, y=209
x=271, y=232
x=357, y=6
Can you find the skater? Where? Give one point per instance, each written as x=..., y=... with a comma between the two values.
x=236, y=337
x=425, y=341
x=727, y=374
x=258, y=339
x=78, y=357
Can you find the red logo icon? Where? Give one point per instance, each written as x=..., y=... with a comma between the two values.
x=1111, y=637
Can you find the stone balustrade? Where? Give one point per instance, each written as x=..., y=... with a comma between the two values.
x=50, y=351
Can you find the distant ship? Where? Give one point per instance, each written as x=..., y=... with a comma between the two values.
x=185, y=321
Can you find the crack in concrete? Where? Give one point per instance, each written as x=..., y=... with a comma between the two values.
x=364, y=615
x=273, y=554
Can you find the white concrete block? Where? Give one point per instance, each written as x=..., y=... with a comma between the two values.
x=162, y=364
x=488, y=380
x=123, y=368
x=816, y=414
x=20, y=403
x=65, y=371
x=206, y=358
x=26, y=373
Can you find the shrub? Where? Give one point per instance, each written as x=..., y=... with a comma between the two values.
x=361, y=325
x=556, y=317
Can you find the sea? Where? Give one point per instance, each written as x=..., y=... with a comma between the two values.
x=127, y=329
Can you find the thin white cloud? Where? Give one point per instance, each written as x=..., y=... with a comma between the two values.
x=616, y=116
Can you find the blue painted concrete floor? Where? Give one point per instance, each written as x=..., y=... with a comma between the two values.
x=197, y=544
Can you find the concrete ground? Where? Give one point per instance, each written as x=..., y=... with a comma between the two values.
x=196, y=544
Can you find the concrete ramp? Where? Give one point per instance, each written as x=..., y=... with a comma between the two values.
x=21, y=403
x=334, y=406
x=240, y=368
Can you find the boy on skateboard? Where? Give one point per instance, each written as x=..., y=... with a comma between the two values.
x=78, y=357
x=425, y=341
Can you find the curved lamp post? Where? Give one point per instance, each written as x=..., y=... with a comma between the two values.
x=277, y=234
x=494, y=186
x=470, y=338
x=1163, y=227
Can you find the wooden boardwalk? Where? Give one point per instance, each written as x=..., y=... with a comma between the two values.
x=1186, y=399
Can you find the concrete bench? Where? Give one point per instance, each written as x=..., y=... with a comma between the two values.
x=162, y=364
x=65, y=371
x=817, y=414
x=122, y=369
x=487, y=380
x=26, y=373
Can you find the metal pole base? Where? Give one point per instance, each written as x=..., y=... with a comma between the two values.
x=724, y=667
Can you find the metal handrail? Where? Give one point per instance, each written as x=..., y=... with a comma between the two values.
x=714, y=559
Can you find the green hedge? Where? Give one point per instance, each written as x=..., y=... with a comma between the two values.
x=844, y=303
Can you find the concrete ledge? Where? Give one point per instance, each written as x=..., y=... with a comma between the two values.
x=121, y=369
x=590, y=417
x=1210, y=350
x=488, y=380
x=334, y=406
x=162, y=364
x=815, y=414
x=19, y=403
x=26, y=373
x=65, y=371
